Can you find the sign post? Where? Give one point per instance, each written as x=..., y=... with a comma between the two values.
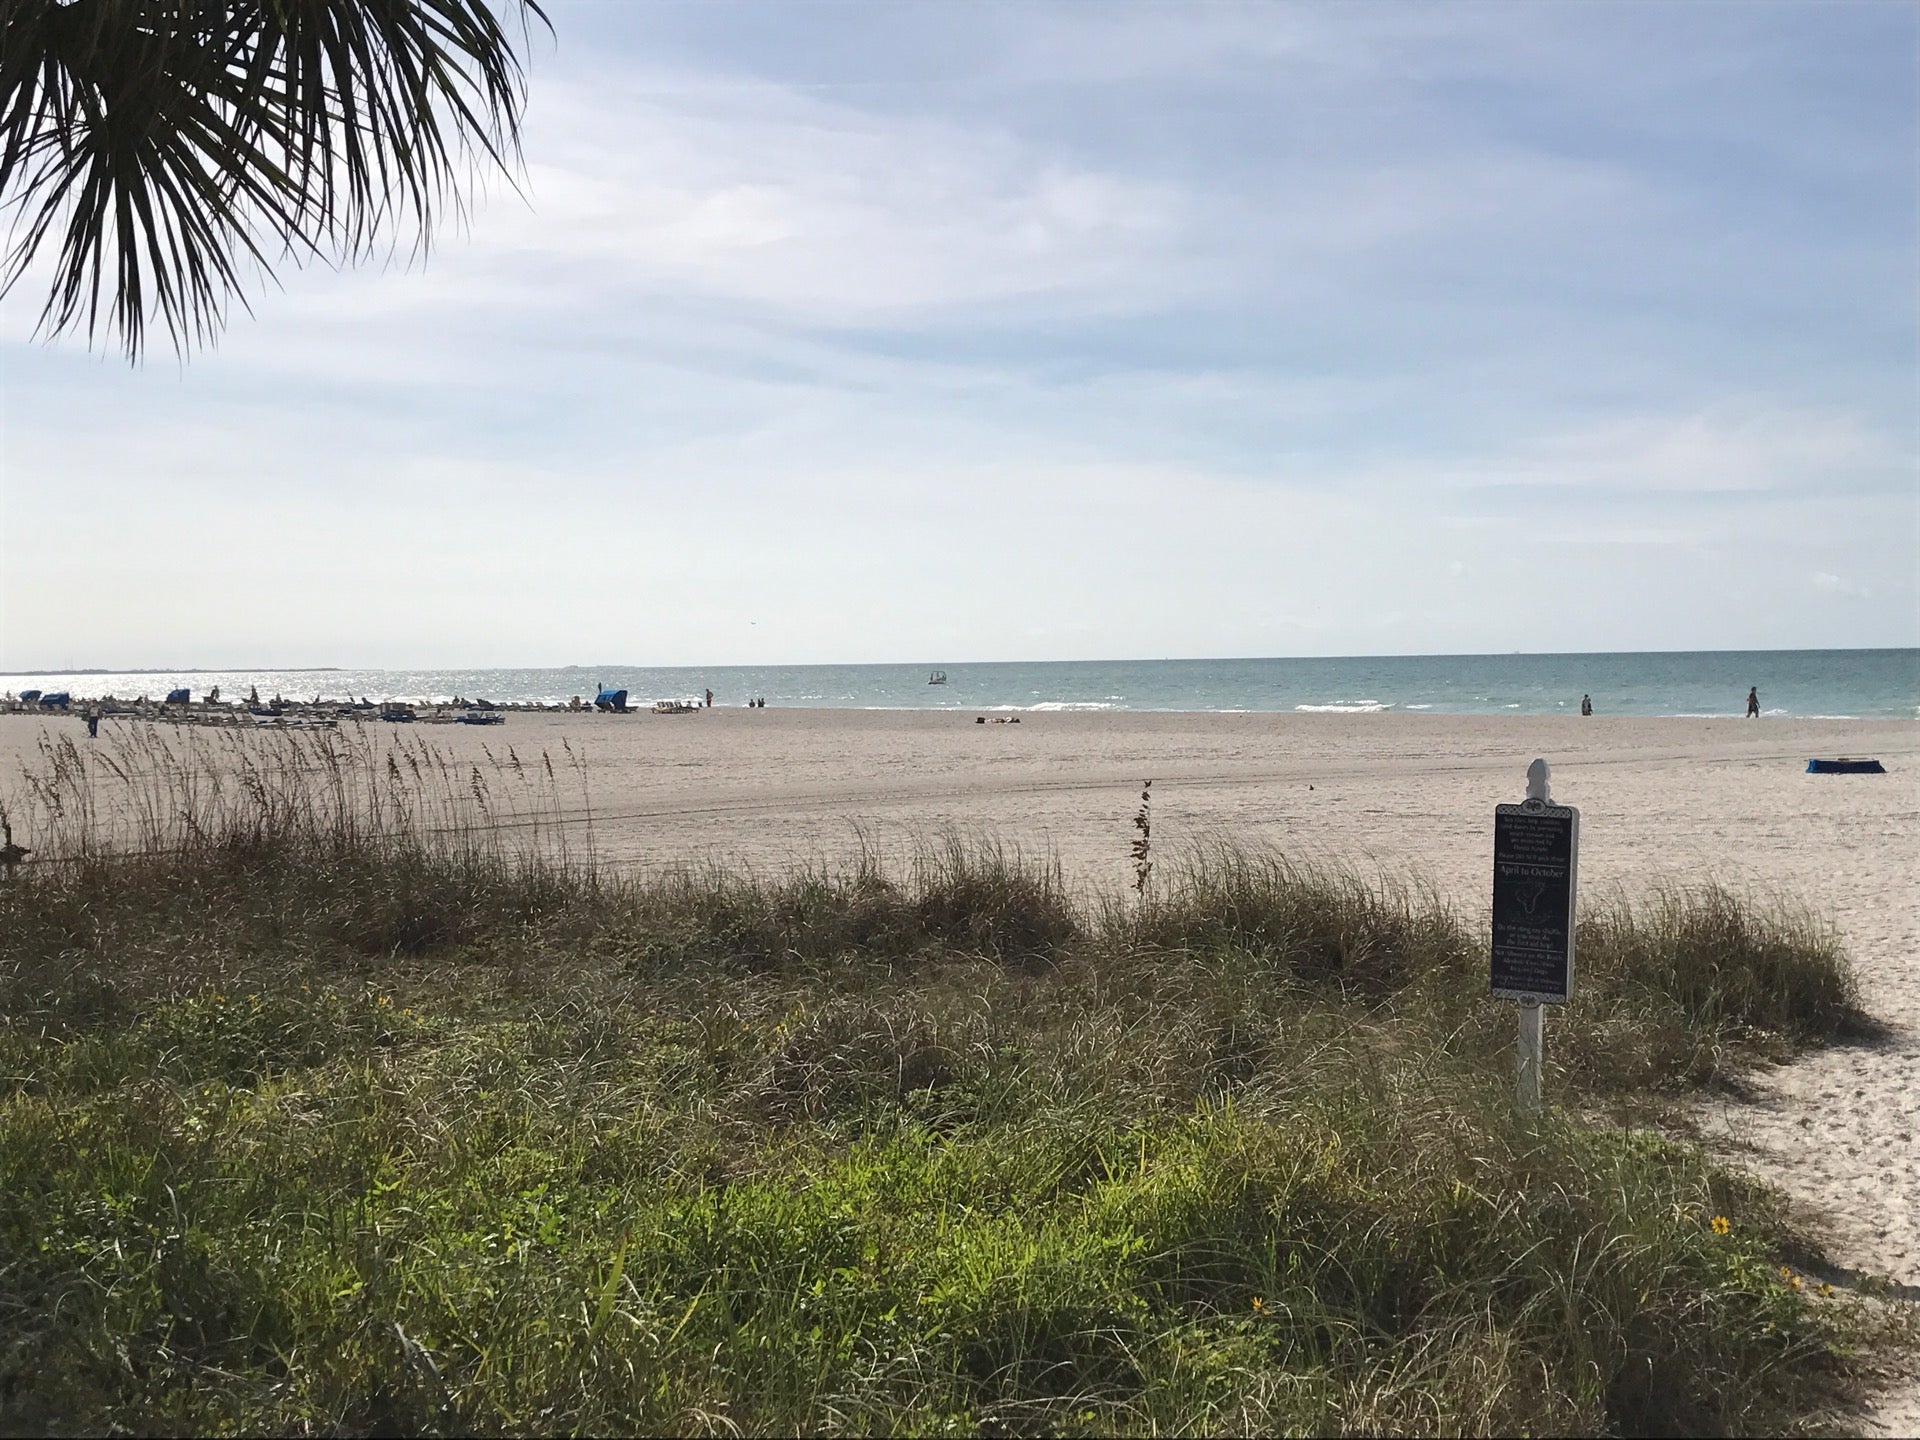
x=1536, y=853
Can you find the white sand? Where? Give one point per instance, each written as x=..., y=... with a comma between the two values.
x=1687, y=800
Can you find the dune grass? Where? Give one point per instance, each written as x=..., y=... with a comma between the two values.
x=352, y=1113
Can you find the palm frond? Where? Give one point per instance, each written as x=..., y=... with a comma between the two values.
x=156, y=151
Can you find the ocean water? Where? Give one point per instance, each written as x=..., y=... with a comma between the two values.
x=1852, y=683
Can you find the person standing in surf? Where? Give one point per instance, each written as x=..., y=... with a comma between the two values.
x=1753, y=702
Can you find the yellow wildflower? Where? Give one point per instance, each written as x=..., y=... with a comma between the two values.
x=1721, y=1225
x=1259, y=1305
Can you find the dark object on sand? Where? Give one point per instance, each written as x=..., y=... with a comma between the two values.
x=480, y=717
x=10, y=853
x=400, y=714
x=1845, y=766
x=27, y=697
x=56, y=700
x=182, y=696
x=612, y=701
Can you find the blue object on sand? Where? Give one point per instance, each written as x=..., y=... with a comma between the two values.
x=56, y=700
x=1845, y=766
x=28, y=696
x=610, y=700
x=182, y=696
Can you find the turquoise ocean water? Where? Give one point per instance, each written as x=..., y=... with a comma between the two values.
x=1862, y=683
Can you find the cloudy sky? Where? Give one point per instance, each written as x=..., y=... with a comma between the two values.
x=949, y=331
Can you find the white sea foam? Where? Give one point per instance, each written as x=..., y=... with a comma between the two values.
x=1345, y=707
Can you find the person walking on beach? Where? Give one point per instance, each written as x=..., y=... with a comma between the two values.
x=93, y=722
x=709, y=699
x=1586, y=704
x=1753, y=702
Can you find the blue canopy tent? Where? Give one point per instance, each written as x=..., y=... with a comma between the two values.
x=182, y=696
x=610, y=700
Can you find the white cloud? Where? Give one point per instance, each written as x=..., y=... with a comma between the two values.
x=1746, y=446
x=807, y=206
x=1832, y=584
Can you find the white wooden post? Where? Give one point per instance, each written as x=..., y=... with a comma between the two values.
x=1536, y=857
x=1533, y=1054
x=1538, y=774
x=1533, y=1020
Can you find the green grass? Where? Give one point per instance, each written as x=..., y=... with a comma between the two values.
x=343, y=1125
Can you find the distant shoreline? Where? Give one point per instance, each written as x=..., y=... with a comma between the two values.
x=1836, y=683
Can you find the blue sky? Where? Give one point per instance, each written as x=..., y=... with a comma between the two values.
x=971, y=331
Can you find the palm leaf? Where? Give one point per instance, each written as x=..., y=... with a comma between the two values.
x=154, y=152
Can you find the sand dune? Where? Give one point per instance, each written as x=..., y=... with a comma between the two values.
x=1670, y=799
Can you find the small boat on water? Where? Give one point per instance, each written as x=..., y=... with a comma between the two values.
x=938, y=677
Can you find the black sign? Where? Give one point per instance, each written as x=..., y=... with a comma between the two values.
x=1535, y=859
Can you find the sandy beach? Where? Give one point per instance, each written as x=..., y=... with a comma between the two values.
x=1683, y=800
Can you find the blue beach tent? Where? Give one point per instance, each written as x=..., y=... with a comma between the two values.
x=610, y=700
x=56, y=700
x=182, y=696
